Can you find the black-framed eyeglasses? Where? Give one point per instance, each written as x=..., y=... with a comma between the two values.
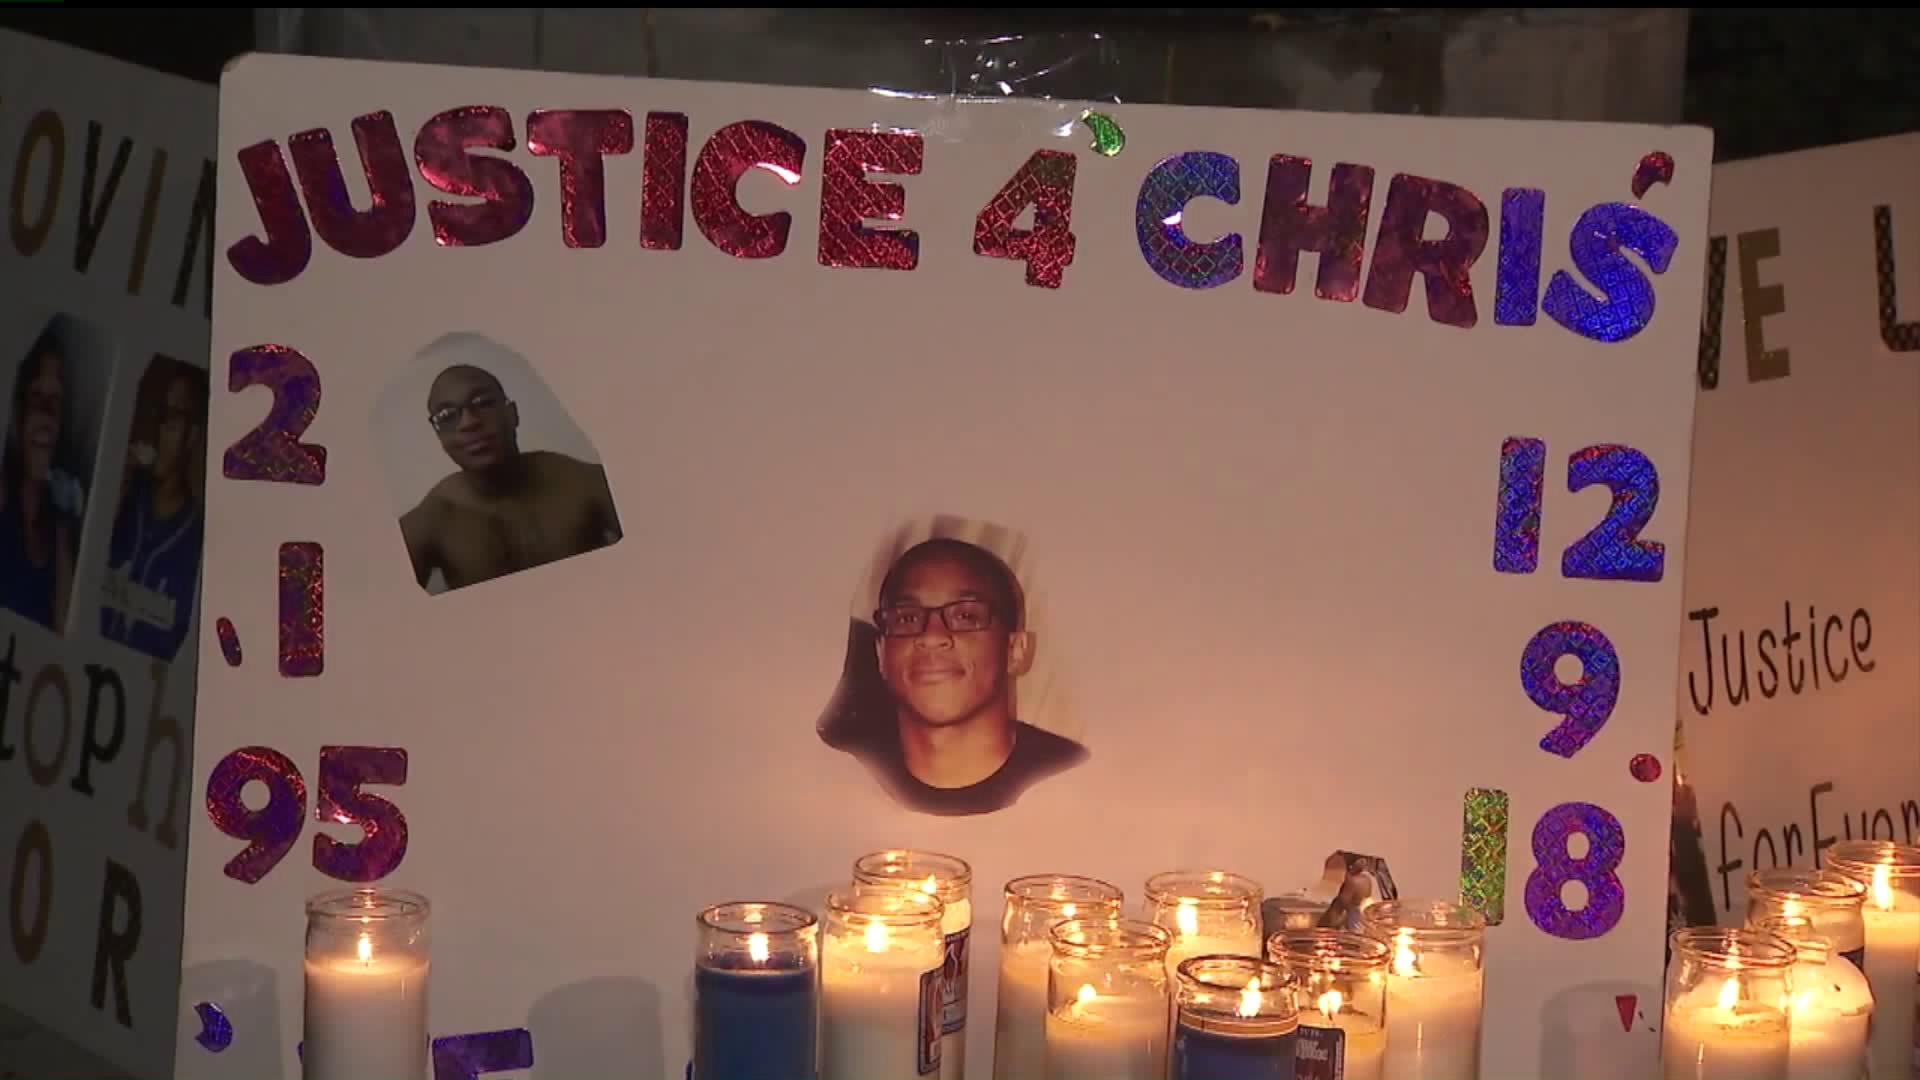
x=910, y=620
x=446, y=417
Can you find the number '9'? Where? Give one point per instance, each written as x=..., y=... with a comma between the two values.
x=272, y=830
x=1585, y=705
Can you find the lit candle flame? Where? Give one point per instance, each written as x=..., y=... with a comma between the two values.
x=1790, y=909
x=366, y=949
x=757, y=948
x=1084, y=998
x=1730, y=993
x=1068, y=910
x=1330, y=1003
x=1404, y=961
x=1187, y=918
x=1883, y=887
x=1250, y=998
x=929, y=886
x=876, y=937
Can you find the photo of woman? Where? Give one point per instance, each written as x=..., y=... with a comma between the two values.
x=153, y=560
x=44, y=471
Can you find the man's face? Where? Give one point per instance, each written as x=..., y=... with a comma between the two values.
x=45, y=405
x=945, y=676
x=176, y=428
x=473, y=419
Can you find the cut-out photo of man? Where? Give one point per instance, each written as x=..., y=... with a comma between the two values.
x=928, y=700
x=505, y=508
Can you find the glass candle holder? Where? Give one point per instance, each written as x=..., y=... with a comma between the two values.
x=1728, y=992
x=1830, y=901
x=1290, y=911
x=1436, y=986
x=756, y=987
x=1034, y=906
x=367, y=964
x=1340, y=988
x=951, y=880
x=1832, y=1006
x=1107, y=1001
x=882, y=957
x=1206, y=913
x=1234, y=1019
x=1891, y=916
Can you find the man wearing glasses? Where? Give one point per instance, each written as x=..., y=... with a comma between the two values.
x=506, y=510
x=951, y=642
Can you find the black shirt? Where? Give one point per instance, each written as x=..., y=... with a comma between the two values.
x=1037, y=754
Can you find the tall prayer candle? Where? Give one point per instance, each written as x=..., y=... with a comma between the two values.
x=1831, y=1008
x=1435, y=987
x=1234, y=1019
x=880, y=972
x=951, y=880
x=1339, y=981
x=367, y=964
x=1830, y=902
x=1034, y=906
x=1107, y=1001
x=756, y=1010
x=1726, y=1018
x=1891, y=873
x=1207, y=913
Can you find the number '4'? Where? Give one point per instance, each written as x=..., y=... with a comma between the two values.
x=1045, y=183
x=1611, y=550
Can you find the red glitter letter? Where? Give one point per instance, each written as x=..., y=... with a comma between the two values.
x=441, y=152
x=1400, y=251
x=727, y=156
x=579, y=138
x=663, y=175
x=848, y=199
x=360, y=234
x=1337, y=232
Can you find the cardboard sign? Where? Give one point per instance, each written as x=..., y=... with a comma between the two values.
x=1801, y=662
x=712, y=483
x=103, y=350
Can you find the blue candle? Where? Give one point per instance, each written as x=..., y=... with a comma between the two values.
x=756, y=993
x=754, y=1024
x=1199, y=1054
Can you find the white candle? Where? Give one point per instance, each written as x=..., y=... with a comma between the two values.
x=1710, y=1034
x=1363, y=1039
x=1186, y=946
x=366, y=1016
x=1096, y=1037
x=949, y=880
x=1893, y=957
x=1433, y=1020
x=880, y=1005
x=1020, y=1024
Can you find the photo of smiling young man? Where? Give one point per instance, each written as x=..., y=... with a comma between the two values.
x=505, y=508
x=929, y=697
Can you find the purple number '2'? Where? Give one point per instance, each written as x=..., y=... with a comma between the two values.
x=269, y=831
x=1613, y=550
x=466, y=1057
x=272, y=451
x=1587, y=704
x=343, y=770
x=1596, y=870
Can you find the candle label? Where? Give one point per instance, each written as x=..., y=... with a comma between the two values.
x=933, y=987
x=1320, y=1053
x=953, y=989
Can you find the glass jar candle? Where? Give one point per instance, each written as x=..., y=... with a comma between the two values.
x=1830, y=901
x=756, y=1007
x=951, y=880
x=1290, y=911
x=881, y=961
x=367, y=963
x=1034, y=906
x=1832, y=1007
x=1107, y=1001
x=1206, y=913
x=1234, y=1019
x=1436, y=987
x=1340, y=989
x=1728, y=992
x=1891, y=915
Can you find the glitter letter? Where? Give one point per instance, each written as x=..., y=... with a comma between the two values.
x=581, y=138
x=1400, y=251
x=441, y=152
x=1337, y=232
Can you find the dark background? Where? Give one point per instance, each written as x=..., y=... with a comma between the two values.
x=1766, y=80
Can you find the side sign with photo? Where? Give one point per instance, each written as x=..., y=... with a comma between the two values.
x=635, y=495
x=107, y=267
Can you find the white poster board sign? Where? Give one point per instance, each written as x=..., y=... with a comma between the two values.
x=1801, y=650
x=1254, y=558
x=103, y=345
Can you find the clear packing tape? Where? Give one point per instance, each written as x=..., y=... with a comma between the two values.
x=1618, y=64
